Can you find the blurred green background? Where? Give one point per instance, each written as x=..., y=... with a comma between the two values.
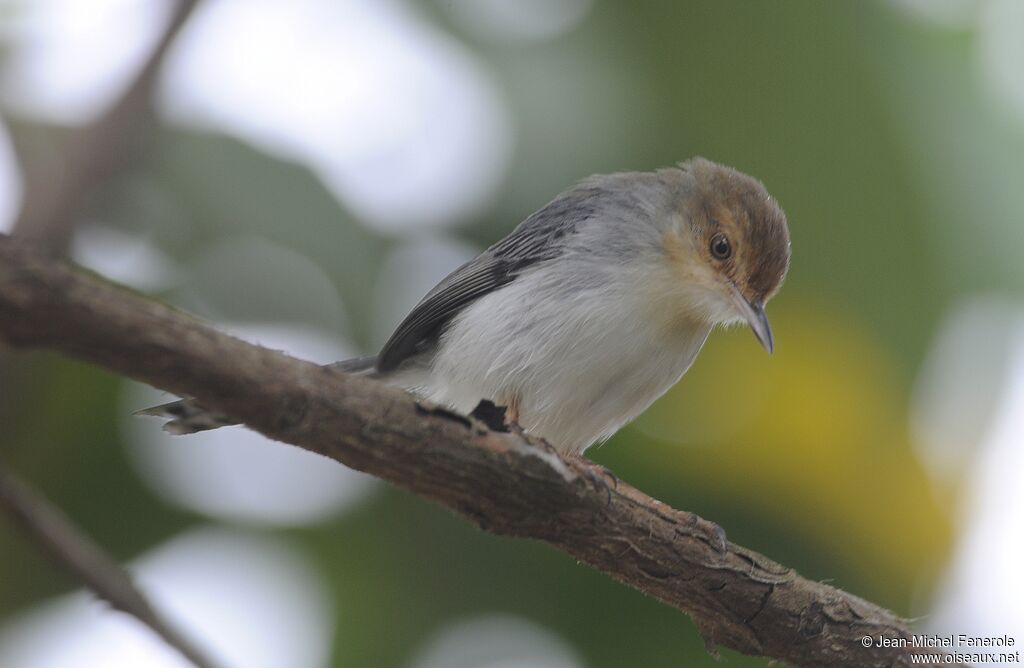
x=316, y=166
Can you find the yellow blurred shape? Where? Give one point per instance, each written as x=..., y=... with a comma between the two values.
x=816, y=435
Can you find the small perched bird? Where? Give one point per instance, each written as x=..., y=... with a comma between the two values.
x=590, y=309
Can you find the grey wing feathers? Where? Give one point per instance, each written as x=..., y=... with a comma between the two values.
x=538, y=238
x=467, y=284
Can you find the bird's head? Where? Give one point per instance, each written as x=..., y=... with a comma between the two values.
x=728, y=245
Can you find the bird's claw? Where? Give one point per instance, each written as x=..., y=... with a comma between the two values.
x=598, y=475
x=711, y=532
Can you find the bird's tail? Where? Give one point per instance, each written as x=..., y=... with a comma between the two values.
x=186, y=416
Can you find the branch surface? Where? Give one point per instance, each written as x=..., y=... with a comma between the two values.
x=499, y=481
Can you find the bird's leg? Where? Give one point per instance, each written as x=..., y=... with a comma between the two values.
x=511, y=424
x=506, y=419
x=512, y=416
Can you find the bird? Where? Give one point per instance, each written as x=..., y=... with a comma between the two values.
x=590, y=309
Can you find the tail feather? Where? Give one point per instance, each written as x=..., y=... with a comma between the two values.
x=363, y=366
x=185, y=416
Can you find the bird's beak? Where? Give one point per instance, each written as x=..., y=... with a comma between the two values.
x=753, y=313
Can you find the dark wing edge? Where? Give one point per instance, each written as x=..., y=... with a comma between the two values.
x=540, y=237
x=462, y=287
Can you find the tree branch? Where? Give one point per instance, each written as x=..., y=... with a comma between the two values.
x=54, y=205
x=504, y=484
x=76, y=552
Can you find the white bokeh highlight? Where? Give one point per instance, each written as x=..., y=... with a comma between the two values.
x=981, y=591
x=10, y=182
x=946, y=14
x=71, y=59
x=519, y=20
x=495, y=641
x=238, y=475
x=247, y=600
x=962, y=378
x=396, y=118
x=1001, y=54
x=124, y=258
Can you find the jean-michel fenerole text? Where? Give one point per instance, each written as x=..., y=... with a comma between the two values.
x=937, y=641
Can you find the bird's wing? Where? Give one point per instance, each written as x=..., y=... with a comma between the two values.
x=424, y=323
x=538, y=238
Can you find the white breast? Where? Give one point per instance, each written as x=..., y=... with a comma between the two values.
x=580, y=357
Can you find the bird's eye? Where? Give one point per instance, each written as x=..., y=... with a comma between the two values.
x=720, y=247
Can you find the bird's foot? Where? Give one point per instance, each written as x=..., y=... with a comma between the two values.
x=711, y=532
x=506, y=420
x=598, y=474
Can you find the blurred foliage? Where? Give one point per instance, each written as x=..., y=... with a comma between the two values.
x=804, y=456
